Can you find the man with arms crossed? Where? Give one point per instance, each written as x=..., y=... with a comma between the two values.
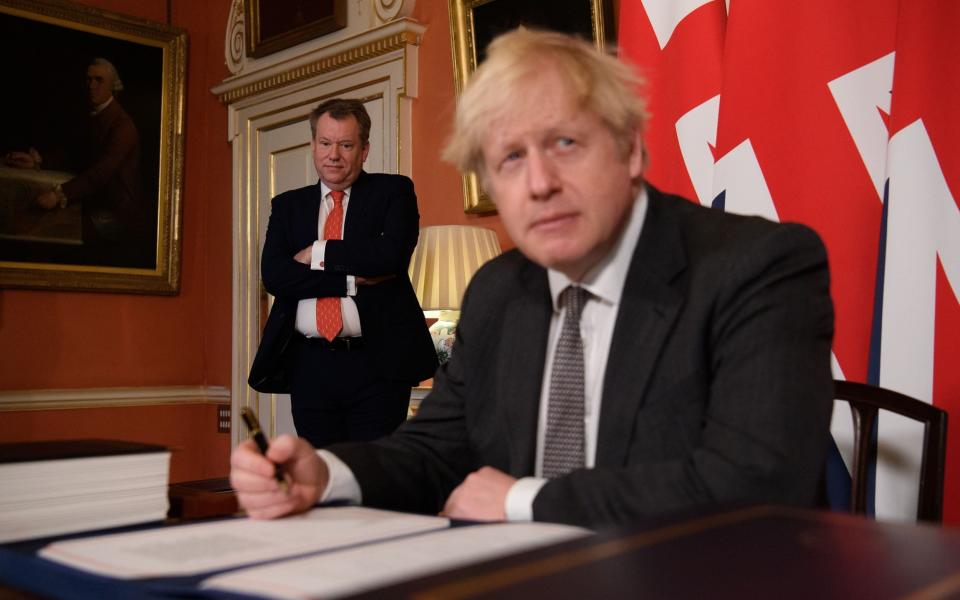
x=699, y=371
x=346, y=336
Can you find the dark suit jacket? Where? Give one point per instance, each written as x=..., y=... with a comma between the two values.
x=111, y=148
x=380, y=234
x=717, y=390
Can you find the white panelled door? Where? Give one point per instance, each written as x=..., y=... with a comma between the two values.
x=285, y=162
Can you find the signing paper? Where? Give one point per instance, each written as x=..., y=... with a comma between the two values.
x=204, y=547
x=358, y=569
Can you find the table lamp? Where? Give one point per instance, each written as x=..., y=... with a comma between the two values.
x=445, y=259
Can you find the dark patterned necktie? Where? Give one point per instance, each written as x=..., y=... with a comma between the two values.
x=564, y=440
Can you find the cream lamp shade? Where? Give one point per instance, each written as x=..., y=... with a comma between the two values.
x=445, y=259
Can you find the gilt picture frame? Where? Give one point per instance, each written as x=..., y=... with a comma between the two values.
x=116, y=224
x=274, y=25
x=474, y=23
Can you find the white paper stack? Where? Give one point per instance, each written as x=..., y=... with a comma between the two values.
x=53, y=488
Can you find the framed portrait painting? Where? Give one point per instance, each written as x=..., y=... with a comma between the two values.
x=474, y=24
x=91, y=151
x=274, y=25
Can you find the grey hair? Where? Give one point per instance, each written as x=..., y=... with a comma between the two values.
x=102, y=62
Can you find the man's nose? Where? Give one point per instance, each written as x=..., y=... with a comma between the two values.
x=542, y=179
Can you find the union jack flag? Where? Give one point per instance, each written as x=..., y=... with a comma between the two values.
x=841, y=114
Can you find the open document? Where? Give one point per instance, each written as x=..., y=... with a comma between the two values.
x=204, y=547
x=359, y=569
x=325, y=553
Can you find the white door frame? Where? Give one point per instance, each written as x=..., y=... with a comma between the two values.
x=378, y=66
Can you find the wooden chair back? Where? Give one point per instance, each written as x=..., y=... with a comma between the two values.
x=865, y=402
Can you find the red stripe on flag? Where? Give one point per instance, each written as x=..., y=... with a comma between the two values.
x=674, y=88
x=779, y=59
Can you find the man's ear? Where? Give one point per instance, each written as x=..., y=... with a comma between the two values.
x=636, y=160
x=366, y=151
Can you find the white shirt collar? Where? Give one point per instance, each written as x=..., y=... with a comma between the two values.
x=606, y=279
x=325, y=191
x=97, y=109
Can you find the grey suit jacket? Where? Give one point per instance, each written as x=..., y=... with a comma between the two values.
x=717, y=390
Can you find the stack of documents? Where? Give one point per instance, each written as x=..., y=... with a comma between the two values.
x=52, y=488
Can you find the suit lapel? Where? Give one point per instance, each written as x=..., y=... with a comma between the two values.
x=307, y=223
x=649, y=306
x=527, y=322
x=355, y=209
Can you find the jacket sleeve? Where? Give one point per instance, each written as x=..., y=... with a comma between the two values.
x=283, y=276
x=417, y=467
x=122, y=141
x=760, y=433
x=388, y=250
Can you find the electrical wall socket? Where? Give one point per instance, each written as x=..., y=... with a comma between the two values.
x=223, y=419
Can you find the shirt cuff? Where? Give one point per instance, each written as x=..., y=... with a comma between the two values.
x=342, y=485
x=519, y=502
x=351, y=285
x=316, y=255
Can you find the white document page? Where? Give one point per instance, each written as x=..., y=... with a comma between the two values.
x=191, y=549
x=354, y=570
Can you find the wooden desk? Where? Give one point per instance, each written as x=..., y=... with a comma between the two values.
x=760, y=552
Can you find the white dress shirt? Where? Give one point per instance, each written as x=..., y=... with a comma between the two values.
x=605, y=283
x=307, y=309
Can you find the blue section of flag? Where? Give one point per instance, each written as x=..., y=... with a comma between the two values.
x=837, y=486
x=836, y=480
x=876, y=329
x=876, y=334
x=720, y=202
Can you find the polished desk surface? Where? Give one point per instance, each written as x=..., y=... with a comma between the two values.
x=756, y=552
x=752, y=552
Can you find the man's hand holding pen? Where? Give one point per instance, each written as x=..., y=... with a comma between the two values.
x=253, y=476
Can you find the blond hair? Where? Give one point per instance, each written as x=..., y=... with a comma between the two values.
x=597, y=82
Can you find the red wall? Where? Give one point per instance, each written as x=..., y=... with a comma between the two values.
x=198, y=451
x=52, y=340
x=75, y=340
x=438, y=184
x=55, y=340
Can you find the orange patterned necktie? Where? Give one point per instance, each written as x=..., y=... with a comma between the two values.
x=329, y=320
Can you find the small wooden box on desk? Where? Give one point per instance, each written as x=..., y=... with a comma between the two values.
x=202, y=499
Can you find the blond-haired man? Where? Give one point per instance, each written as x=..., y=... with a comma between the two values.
x=702, y=372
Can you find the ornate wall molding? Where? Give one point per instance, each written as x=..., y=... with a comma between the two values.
x=111, y=397
x=389, y=10
x=394, y=41
x=234, y=41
